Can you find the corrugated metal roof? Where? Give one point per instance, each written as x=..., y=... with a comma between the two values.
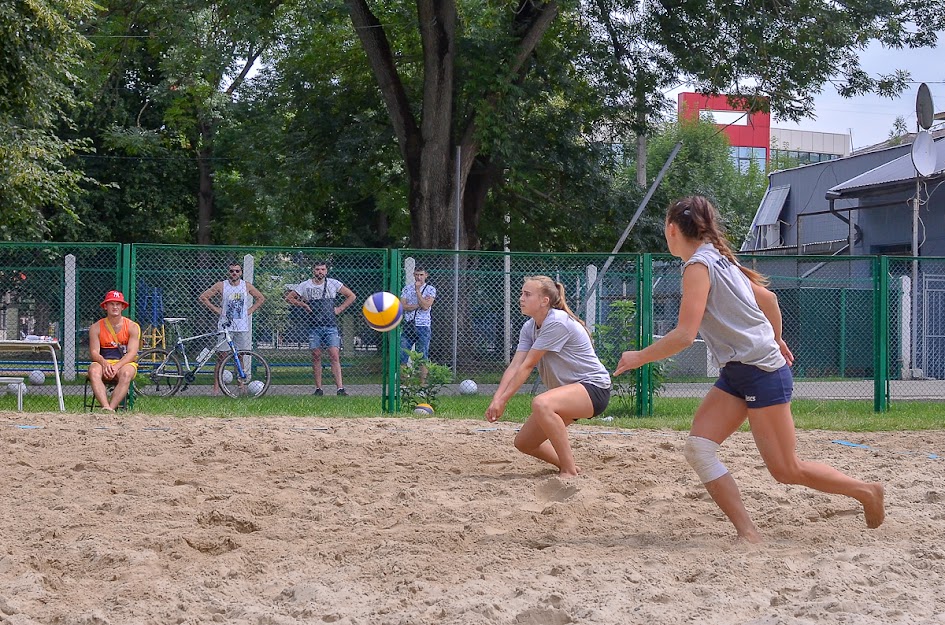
x=895, y=173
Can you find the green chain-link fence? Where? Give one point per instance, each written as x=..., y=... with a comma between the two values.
x=169, y=280
x=828, y=307
x=861, y=328
x=52, y=290
x=916, y=344
x=476, y=317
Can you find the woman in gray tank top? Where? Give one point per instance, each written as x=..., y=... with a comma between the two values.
x=557, y=342
x=740, y=321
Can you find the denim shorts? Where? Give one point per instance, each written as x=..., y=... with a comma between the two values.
x=418, y=336
x=323, y=336
x=759, y=388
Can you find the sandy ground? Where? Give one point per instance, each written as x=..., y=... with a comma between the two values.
x=139, y=520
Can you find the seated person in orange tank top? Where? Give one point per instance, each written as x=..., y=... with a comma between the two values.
x=113, y=346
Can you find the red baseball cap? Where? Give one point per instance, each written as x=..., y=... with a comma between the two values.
x=114, y=296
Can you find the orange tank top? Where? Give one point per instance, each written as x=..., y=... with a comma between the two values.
x=114, y=345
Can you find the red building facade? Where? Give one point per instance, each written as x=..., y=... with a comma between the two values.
x=748, y=133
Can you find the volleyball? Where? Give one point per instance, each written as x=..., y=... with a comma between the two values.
x=12, y=389
x=37, y=377
x=423, y=409
x=256, y=387
x=468, y=387
x=383, y=311
x=227, y=376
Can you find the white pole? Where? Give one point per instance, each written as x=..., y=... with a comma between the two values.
x=69, y=324
x=590, y=311
x=507, y=272
x=249, y=271
x=456, y=211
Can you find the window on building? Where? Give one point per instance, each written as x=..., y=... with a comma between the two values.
x=804, y=158
x=743, y=157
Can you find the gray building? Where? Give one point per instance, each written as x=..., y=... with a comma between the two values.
x=859, y=205
x=870, y=203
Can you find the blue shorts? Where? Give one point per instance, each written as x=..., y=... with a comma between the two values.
x=323, y=336
x=759, y=388
x=418, y=336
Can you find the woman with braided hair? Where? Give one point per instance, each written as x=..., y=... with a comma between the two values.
x=740, y=321
x=556, y=341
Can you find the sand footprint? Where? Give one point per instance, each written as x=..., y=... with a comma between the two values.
x=550, y=492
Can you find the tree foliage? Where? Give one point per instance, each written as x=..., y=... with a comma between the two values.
x=703, y=166
x=38, y=59
x=360, y=122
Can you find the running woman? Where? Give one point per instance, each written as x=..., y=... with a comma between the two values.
x=740, y=321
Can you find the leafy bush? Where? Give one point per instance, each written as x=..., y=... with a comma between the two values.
x=414, y=390
x=613, y=338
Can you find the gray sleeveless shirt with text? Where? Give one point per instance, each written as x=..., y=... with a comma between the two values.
x=733, y=326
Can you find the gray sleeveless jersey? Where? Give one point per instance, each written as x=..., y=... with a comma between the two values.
x=733, y=326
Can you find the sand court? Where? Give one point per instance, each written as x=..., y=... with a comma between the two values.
x=140, y=520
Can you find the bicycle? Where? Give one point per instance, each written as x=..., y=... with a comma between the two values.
x=162, y=372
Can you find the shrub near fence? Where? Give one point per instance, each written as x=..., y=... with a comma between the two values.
x=861, y=328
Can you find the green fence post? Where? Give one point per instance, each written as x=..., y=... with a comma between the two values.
x=126, y=274
x=881, y=334
x=645, y=337
x=128, y=281
x=843, y=333
x=390, y=342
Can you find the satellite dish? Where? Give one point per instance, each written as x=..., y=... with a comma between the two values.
x=923, y=154
x=924, y=111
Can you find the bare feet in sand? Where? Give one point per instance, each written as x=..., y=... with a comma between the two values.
x=874, y=507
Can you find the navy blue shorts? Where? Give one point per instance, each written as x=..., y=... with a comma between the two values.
x=759, y=388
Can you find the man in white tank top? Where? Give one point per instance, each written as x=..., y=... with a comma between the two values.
x=234, y=308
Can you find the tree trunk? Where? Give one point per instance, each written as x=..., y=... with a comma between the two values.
x=482, y=177
x=428, y=147
x=641, y=160
x=205, y=194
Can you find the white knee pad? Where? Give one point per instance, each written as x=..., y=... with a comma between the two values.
x=701, y=455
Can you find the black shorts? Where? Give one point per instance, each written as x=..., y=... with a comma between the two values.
x=600, y=397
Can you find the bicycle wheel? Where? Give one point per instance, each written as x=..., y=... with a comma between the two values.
x=159, y=373
x=256, y=378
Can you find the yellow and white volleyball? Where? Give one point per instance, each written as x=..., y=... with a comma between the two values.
x=423, y=409
x=227, y=376
x=255, y=387
x=383, y=311
x=37, y=377
x=468, y=387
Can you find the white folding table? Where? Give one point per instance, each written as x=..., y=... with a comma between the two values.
x=38, y=346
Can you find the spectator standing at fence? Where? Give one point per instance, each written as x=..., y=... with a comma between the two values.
x=113, y=349
x=233, y=296
x=740, y=321
x=417, y=299
x=556, y=341
x=317, y=295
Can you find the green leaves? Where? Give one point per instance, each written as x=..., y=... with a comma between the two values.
x=38, y=59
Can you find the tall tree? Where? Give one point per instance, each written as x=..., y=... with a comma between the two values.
x=764, y=54
x=164, y=87
x=39, y=54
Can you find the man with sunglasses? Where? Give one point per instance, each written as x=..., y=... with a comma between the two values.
x=233, y=309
